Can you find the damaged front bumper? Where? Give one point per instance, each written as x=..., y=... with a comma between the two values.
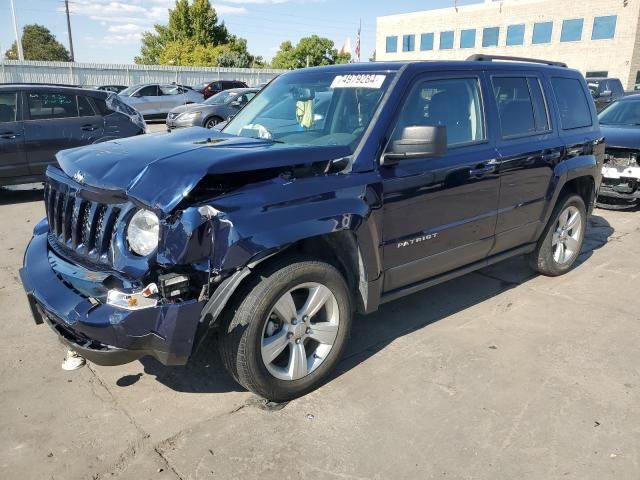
x=620, y=184
x=104, y=334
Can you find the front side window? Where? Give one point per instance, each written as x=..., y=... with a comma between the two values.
x=453, y=103
x=170, y=90
x=521, y=106
x=542, y=33
x=426, y=41
x=572, y=103
x=446, y=40
x=604, y=27
x=313, y=108
x=515, y=35
x=148, y=91
x=468, y=38
x=43, y=106
x=572, y=30
x=392, y=44
x=597, y=74
x=490, y=37
x=408, y=43
x=8, y=107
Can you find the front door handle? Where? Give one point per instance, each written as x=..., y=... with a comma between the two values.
x=482, y=170
x=89, y=128
x=9, y=135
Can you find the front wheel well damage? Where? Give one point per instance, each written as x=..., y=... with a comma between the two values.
x=583, y=186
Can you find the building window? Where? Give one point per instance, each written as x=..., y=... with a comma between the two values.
x=468, y=38
x=446, y=40
x=515, y=35
x=490, y=37
x=426, y=41
x=392, y=44
x=572, y=30
x=542, y=32
x=597, y=74
x=604, y=27
x=408, y=43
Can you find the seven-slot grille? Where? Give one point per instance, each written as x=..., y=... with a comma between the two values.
x=83, y=226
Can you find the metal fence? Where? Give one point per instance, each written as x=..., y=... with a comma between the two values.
x=69, y=73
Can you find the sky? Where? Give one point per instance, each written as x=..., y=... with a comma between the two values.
x=108, y=31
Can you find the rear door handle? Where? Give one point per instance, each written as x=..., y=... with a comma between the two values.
x=89, y=128
x=9, y=135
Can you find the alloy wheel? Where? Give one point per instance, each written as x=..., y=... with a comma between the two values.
x=567, y=237
x=300, y=331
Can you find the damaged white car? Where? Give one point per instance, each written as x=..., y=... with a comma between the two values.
x=620, y=124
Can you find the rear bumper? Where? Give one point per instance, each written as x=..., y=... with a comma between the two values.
x=101, y=333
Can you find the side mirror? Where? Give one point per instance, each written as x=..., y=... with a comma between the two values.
x=236, y=104
x=606, y=93
x=137, y=94
x=417, y=142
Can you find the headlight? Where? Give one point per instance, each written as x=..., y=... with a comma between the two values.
x=187, y=117
x=143, y=232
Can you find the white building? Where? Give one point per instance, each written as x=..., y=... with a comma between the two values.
x=597, y=37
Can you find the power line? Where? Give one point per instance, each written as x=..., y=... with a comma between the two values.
x=15, y=30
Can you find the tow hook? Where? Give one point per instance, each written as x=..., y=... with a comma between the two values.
x=73, y=361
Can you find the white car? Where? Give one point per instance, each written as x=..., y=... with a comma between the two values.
x=155, y=100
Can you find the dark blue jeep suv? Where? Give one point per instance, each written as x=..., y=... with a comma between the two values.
x=336, y=189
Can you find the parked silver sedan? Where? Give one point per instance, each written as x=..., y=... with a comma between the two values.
x=155, y=100
x=213, y=111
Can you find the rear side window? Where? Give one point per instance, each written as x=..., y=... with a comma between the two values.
x=49, y=105
x=84, y=107
x=8, y=107
x=521, y=106
x=573, y=105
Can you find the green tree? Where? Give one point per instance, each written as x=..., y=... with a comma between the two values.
x=38, y=43
x=313, y=51
x=190, y=26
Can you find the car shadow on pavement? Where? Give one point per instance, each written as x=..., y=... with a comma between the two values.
x=21, y=194
x=372, y=333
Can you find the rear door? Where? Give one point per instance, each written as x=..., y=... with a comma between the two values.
x=440, y=213
x=148, y=100
x=528, y=151
x=13, y=158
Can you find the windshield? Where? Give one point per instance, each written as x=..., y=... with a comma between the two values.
x=621, y=113
x=222, y=97
x=313, y=108
x=128, y=91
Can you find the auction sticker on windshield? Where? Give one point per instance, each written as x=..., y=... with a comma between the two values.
x=358, y=81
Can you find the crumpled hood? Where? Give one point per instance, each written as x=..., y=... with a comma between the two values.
x=158, y=170
x=624, y=137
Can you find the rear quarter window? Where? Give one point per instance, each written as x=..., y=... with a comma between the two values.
x=573, y=105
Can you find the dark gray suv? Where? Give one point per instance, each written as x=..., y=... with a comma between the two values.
x=37, y=121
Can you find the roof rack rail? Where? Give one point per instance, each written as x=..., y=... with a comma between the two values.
x=41, y=84
x=479, y=57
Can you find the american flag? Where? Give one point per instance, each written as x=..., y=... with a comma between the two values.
x=357, y=50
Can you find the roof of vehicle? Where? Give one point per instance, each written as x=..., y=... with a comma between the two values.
x=241, y=90
x=600, y=79
x=49, y=86
x=435, y=65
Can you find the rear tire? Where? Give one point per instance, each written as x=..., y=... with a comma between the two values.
x=561, y=241
x=288, y=329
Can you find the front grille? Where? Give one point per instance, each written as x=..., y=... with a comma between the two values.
x=83, y=228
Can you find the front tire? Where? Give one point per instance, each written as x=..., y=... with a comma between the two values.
x=559, y=246
x=288, y=330
x=212, y=122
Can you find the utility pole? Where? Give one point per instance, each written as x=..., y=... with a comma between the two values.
x=15, y=30
x=66, y=6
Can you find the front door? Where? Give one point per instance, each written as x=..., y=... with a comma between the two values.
x=13, y=159
x=440, y=212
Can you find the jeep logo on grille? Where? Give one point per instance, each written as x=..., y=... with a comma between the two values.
x=78, y=176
